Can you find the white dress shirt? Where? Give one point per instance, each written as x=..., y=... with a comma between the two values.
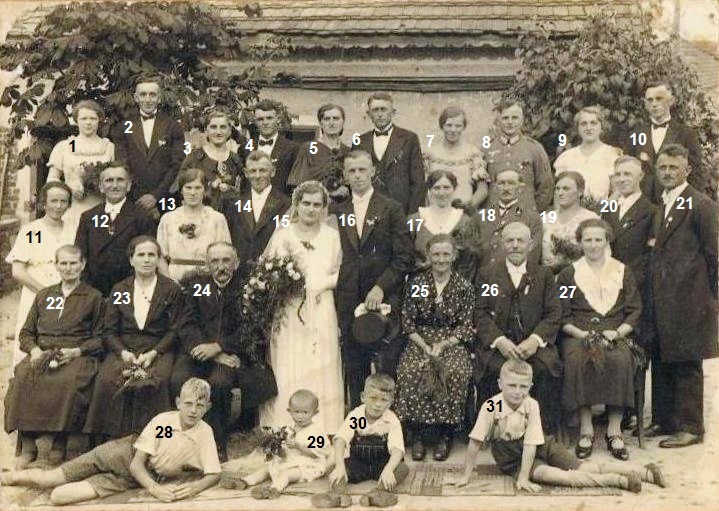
x=147, y=126
x=626, y=203
x=112, y=210
x=380, y=143
x=258, y=201
x=360, y=205
x=669, y=197
x=658, y=134
x=141, y=298
x=267, y=149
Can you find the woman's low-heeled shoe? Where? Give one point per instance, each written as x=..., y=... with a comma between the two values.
x=441, y=450
x=419, y=451
x=620, y=453
x=584, y=452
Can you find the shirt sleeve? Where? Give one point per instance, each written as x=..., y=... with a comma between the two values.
x=345, y=432
x=208, y=453
x=146, y=442
x=21, y=250
x=534, y=434
x=395, y=439
x=483, y=427
x=56, y=162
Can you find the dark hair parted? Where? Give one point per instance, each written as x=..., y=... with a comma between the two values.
x=138, y=240
x=42, y=196
x=436, y=175
x=191, y=174
x=674, y=150
x=574, y=176
x=594, y=222
x=450, y=112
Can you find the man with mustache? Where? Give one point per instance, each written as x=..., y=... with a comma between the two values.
x=210, y=333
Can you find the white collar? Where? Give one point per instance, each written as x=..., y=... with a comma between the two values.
x=601, y=289
x=510, y=140
x=628, y=201
x=273, y=138
x=115, y=207
x=150, y=289
x=363, y=198
x=261, y=195
x=512, y=268
x=387, y=129
x=669, y=196
x=507, y=206
x=667, y=119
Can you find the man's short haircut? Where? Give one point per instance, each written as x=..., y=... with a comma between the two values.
x=381, y=382
x=517, y=225
x=379, y=96
x=356, y=154
x=674, y=150
x=508, y=102
x=266, y=105
x=518, y=367
x=594, y=222
x=449, y=113
x=69, y=249
x=660, y=83
x=574, y=176
x=116, y=164
x=305, y=396
x=257, y=156
x=510, y=169
x=436, y=175
x=222, y=244
x=148, y=78
x=196, y=387
x=624, y=159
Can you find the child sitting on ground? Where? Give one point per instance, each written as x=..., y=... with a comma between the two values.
x=307, y=450
x=510, y=422
x=175, y=446
x=369, y=445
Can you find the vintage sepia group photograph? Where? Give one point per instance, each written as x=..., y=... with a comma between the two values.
x=320, y=254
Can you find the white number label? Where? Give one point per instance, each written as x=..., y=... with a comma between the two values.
x=548, y=216
x=356, y=139
x=638, y=138
x=128, y=127
x=567, y=291
x=283, y=220
x=250, y=145
x=347, y=220
x=429, y=140
x=609, y=206
x=487, y=215
x=167, y=204
x=121, y=298
x=420, y=291
x=202, y=291
x=313, y=147
x=682, y=202
x=562, y=139
x=415, y=224
x=101, y=221
x=247, y=206
x=490, y=290
x=188, y=148
x=486, y=142
x=55, y=303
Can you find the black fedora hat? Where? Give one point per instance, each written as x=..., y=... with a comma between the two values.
x=373, y=327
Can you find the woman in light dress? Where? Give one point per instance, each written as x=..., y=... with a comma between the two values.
x=33, y=254
x=458, y=157
x=68, y=157
x=593, y=159
x=305, y=353
x=185, y=233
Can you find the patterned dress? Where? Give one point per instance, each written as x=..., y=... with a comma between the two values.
x=435, y=318
x=465, y=162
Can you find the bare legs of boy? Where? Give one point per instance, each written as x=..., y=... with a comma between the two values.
x=608, y=474
x=280, y=480
x=64, y=492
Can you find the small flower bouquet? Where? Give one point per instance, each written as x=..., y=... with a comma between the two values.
x=91, y=176
x=591, y=203
x=566, y=248
x=272, y=284
x=135, y=377
x=333, y=179
x=188, y=230
x=223, y=179
x=48, y=361
x=595, y=348
x=273, y=442
x=433, y=380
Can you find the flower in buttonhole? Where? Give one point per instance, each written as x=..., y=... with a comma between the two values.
x=253, y=281
x=268, y=266
x=296, y=276
x=261, y=285
x=289, y=266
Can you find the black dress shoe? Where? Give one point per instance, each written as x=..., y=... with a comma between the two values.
x=419, y=451
x=653, y=430
x=681, y=439
x=441, y=450
x=584, y=452
x=620, y=453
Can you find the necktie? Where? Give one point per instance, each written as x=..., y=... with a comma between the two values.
x=662, y=125
x=147, y=117
x=265, y=142
x=378, y=133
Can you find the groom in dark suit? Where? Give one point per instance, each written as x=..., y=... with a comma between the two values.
x=396, y=155
x=105, y=231
x=376, y=255
x=661, y=131
x=151, y=143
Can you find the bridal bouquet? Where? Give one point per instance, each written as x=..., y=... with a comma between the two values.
x=273, y=442
x=91, y=176
x=272, y=284
x=135, y=377
x=566, y=248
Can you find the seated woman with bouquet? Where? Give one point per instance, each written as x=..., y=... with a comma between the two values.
x=132, y=385
x=434, y=370
x=601, y=308
x=48, y=396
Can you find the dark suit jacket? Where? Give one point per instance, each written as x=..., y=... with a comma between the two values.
x=153, y=169
x=214, y=318
x=382, y=257
x=400, y=173
x=684, y=279
x=677, y=133
x=541, y=312
x=491, y=232
x=248, y=237
x=105, y=255
x=121, y=331
x=631, y=238
x=283, y=157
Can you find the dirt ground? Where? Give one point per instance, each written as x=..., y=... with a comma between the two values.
x=693, y=472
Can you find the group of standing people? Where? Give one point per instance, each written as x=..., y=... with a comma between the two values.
x=436, y=270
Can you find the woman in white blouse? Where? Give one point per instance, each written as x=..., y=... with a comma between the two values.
x=593, y=159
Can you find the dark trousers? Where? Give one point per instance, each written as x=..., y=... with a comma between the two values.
x=357, y=359
x=678, y=395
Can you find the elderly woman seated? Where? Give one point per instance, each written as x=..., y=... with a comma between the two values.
x=47, y=399
x=601, y=308
x=434, y=370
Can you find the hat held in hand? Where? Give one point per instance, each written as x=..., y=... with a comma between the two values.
x=370, y=327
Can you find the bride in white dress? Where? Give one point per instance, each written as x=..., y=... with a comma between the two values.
x=305, y=353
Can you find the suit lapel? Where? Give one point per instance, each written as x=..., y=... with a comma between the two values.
x=123, y=220
x=138, y=133
x=159, y=127
x=347, y=209
x=158, y=297
x=396, y=140
x=270, y=205
x=674, y=218
x=246, y=218
x=370, y=219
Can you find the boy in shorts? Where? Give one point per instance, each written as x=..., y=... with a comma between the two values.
x=510, y=423
x=175, y=446
x=368, y=446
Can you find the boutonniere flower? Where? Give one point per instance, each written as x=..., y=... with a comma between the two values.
x=652, y=242
x=372, y=221
x=397, y=157
x=669, y=220
x=644, y=156
x=529, y=283
x=162, y=142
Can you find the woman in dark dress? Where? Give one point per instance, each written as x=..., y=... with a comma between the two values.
x=52, y=386
x=601, y=308
x=434, y=370
x=140, y=332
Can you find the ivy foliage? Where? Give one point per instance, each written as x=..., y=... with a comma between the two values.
x=609, y=64
x=96, y=50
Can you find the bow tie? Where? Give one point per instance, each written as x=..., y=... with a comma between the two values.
x=662, y=125
x=147, y=117
x=378, y=133
x=264, y=142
